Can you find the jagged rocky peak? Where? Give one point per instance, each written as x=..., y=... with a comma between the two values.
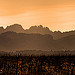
x=15, y=28
x=1, y=30
x=39, y=28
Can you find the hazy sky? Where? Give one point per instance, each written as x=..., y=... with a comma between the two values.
x=55, y=14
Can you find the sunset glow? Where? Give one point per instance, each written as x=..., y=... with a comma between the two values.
x=55, y=14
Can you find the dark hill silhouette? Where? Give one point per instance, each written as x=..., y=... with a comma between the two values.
x=1, y=30
x=67, y=43
x=12, y=41
x=15, y=28
x=21, y=41
x=36, y=30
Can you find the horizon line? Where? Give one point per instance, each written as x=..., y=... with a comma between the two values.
x=38, y=26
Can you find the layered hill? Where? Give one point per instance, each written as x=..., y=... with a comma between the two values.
x=21, y=41
x=12, y=41
x=36, y=30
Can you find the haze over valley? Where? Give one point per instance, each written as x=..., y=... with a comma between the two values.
x=14, y=37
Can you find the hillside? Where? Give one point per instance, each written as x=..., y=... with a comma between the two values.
x=21, y=41
x=36, y=30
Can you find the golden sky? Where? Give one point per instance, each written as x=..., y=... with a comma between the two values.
x=55, y=14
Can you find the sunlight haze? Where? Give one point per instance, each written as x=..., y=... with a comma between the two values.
x=55, y=14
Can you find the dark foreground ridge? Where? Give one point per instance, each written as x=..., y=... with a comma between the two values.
x=37, y=65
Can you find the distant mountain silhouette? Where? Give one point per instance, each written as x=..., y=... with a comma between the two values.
x=36, y=30
x=12, y=41
x=1, y=30
x=15, y=28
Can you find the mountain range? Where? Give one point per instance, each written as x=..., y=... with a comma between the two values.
x=36, y=30
x=15, y=38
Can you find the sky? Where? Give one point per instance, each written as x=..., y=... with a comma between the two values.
x=55, y=14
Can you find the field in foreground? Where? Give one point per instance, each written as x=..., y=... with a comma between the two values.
x=37, y=65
